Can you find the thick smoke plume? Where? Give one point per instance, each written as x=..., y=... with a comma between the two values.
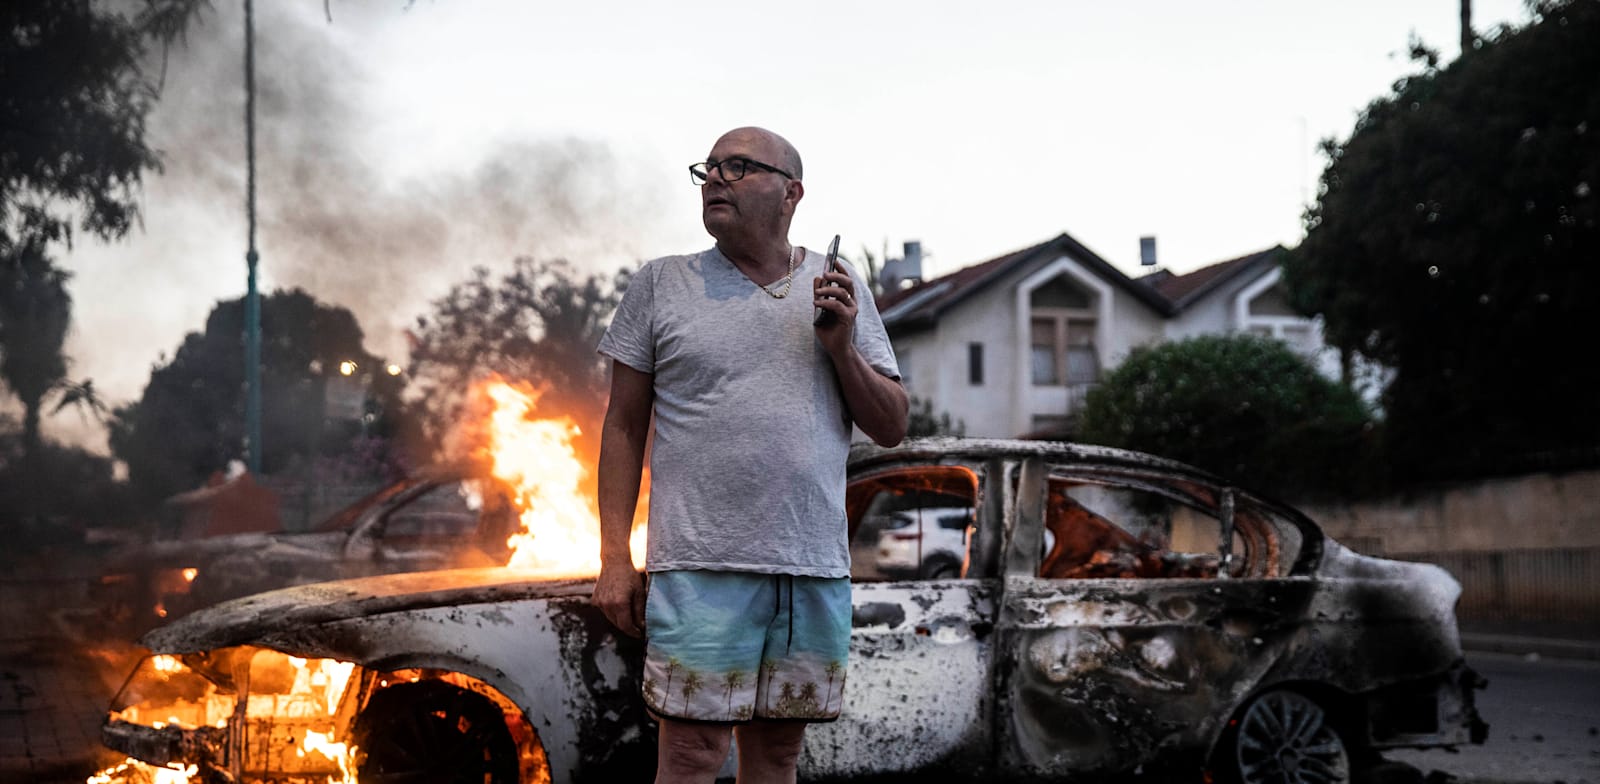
x=340, y=213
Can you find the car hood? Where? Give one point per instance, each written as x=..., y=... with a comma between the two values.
x=242, y=620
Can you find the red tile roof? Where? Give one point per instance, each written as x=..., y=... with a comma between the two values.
x=1181, y=290
x=921, y=304
x=1164, y=292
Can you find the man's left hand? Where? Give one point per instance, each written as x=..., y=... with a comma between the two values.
x=834, y=292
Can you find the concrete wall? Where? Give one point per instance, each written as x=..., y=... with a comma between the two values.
x=1526, y=550
x=1531, y=512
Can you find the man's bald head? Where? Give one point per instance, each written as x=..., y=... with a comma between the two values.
x=783, y=154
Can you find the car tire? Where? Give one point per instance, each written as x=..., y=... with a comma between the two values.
x=433, y=731
x=1283, y=736
x=941, y=568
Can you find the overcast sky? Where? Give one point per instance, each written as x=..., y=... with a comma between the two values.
x=401, y=147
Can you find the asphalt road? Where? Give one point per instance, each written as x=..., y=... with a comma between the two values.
x=1544, y=724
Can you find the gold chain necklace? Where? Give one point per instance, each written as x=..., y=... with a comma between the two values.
x=788, y=279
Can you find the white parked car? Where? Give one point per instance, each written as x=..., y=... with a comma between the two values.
x=929, y=543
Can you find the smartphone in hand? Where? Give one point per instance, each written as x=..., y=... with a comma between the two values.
x=822, y=317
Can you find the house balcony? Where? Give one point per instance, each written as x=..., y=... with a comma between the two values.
x=1052, y=410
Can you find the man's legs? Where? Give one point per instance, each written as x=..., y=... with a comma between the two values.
x=692, y=753
x=769, y=751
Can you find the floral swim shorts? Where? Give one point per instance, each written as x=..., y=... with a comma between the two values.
x=732, y=646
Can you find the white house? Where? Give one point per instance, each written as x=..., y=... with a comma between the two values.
x=1011, y=346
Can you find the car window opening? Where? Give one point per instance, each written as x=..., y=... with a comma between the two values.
x=1098, y=530
x=912, y=523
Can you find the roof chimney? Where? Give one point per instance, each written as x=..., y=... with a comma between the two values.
x=1147, y=251
x=912, y=264
x=898, y=273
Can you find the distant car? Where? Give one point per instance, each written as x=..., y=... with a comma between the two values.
x=438, y=518
x=1116, y=615
x=928, y=543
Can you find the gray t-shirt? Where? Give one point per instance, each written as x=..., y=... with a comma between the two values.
x=751, y=436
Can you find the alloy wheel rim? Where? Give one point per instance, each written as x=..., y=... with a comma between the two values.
x=1285, y=738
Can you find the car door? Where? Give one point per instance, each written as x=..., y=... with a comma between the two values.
x=919, y=694
x=1139, y=609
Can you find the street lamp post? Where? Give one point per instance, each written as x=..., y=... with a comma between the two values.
x=252, y=306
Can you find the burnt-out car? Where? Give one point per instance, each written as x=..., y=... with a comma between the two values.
x=439, y=517
x=1116, y=616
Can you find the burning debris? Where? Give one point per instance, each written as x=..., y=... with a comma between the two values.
x=260, y=715
x=181, y=712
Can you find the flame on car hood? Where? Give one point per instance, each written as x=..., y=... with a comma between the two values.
x=242, y=620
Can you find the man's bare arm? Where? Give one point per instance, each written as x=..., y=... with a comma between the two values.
x=619, y=591
x=877, y=403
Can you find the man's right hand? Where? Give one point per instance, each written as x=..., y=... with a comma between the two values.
x=619, y=593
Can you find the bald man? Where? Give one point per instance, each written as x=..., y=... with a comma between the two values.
x=747, y=613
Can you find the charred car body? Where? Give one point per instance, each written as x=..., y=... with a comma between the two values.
x=438, y=518
x=1116, y=615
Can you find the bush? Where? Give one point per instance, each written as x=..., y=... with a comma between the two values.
x=1245, y=407
x=922, y=422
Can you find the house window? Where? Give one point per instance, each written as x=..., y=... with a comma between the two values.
x=1083, y=365
x=1062, y=349
x=975, y=364
x=1060, y=294
x=1043, y=354
x=1270, y=315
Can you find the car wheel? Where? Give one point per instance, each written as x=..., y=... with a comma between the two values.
x=1287, y=738
x=435, y=732
x=941, y=569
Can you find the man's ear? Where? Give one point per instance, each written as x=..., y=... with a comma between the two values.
x=796, y=191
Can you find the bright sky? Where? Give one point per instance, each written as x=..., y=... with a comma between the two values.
x=401, y=147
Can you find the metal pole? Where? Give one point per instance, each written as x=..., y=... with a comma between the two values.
x=252, y=307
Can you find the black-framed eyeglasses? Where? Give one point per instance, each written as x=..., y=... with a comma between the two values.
x=732, y=170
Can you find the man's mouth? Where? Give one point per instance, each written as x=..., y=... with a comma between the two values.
x=717, y=201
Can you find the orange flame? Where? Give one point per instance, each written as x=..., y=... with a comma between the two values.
x=560, y=536
x=322, y=743
x=560, y=533
x=134, y=770
x=305, y=703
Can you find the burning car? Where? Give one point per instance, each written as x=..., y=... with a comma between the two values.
x=437, y=518
x=1114, y=615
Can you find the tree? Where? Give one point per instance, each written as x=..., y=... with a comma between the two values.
x=190, y=420
x=73, y=101
x=1245, y=407
x=539, y=323
x=72, y=121
x=35, y=311
x=1455, y=242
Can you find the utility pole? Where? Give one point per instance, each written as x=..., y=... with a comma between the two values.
x=1466, y=26
x=252, y=302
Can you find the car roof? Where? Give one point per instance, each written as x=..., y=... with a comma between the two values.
x=864, y=455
